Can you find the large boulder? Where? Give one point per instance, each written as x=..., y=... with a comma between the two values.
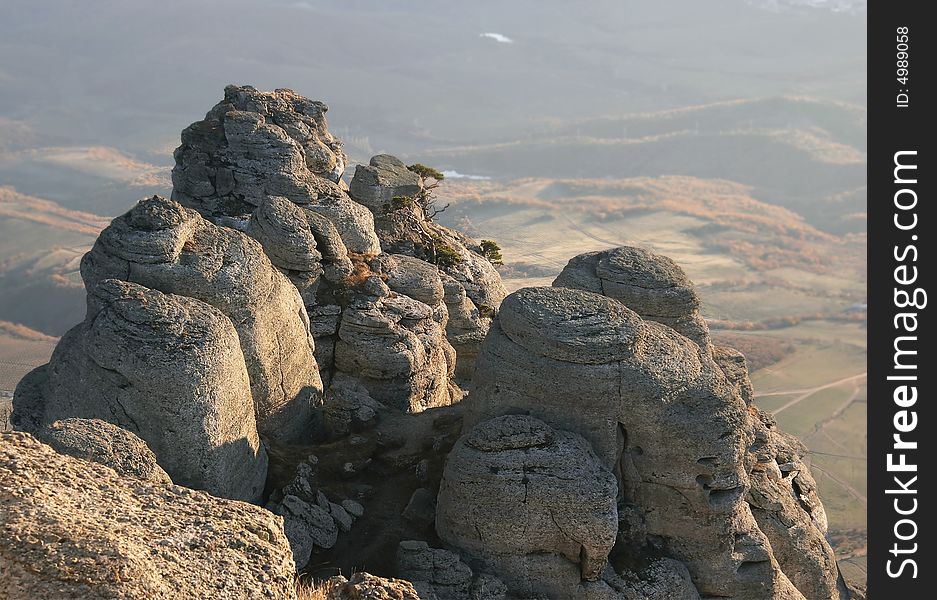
x=104, y=443
x=167, y=368
x=163, y=246
x=660, y=414
x=650, y=284
x=396, y=348
x=255, y=144
x=530, y=503
x=76, y=529
x=384, y=178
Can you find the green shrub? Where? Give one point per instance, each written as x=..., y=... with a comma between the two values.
x=492, y=251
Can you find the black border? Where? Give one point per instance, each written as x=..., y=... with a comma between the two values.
x=893, y=128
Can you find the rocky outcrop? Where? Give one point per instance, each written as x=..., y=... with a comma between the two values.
x=255, y=144
x=785, y=503
x=396, y=348
x=384, y=178
x=167, y=368
x=265, y=162
x=671, y=422
x=122, y=537
x=650, y=284
x=163, y=246
x=104, y=443
x=364, y=586
x=528, y=502
x=473, y=288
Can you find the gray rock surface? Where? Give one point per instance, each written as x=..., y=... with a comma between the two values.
x=652, y=285
x=659, y=413
x=255, y=144
x=785, y=503
x=308, y=527
x=125, y=538
x=383, y=178
x=104, y=443
x=163, y=246
x=522, y=498
x=406, y=230
x=439, y=572
x=396, y=349
x=662, y=579
x=167, y=368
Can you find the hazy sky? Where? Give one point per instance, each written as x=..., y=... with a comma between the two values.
x=131, y=74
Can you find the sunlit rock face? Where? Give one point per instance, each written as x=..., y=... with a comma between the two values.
x=696, y=468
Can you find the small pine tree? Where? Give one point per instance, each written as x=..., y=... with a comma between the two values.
x=430, y=179
x=492, y=251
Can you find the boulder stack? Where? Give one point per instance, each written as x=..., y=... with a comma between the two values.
x=617, y=356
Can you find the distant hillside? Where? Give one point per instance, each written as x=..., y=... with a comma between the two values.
x=93, y=179
x=802, y=154
x=41, y=247
x=721, y=216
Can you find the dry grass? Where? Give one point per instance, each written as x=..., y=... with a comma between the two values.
x=761, y=235
x=313, y=590
x=361, y=270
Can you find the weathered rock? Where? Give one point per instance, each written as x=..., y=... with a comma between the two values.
x=521, y=498
x=787, y=508
x=104, y=443
x=353, y=508
x=417, y=279
x=406, y=230
x=166, y=368
x=307, y=526
x=396, y=349
x=659, y=413
x=466, y=327
x=163, y=246
x=381, y=180
x=735, y=367
x=255, y=144
x=663, y=579
x=363, y=586
x=349, y=407
x=652, y=285
x=282, y=229
x=441, y=572
x=126, y=538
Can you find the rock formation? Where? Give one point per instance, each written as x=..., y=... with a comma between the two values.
x=272, y=334
x=257, y=153
x=534, y=505
x=163, y=246
x=167, y=368
x=697, y=470
x=76, y=529
x=107, y=444
x=473, y=288
x=649, y=284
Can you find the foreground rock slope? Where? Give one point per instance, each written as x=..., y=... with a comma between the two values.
x=125, y=538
